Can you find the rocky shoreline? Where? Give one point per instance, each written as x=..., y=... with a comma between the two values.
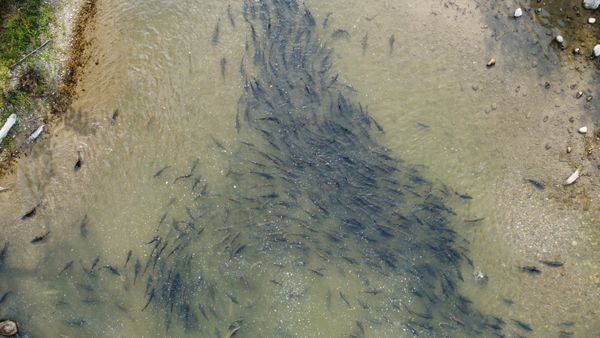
x=60, y=62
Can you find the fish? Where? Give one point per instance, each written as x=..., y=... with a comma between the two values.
x=552, y=263
x=230, y=16
x=83, y=227
x=523, y=326
x=66, y=267
x=364, y=43
x=79, y=163
x=223, y=65
x=115, y=116
x=41, y=238
x=129, y=254
x=536, y=184
x=531, y=270
x=392, y=43
x=216, y=34
x=30, y=213
x=339, y=34
x=161, y=171
x=112, y=270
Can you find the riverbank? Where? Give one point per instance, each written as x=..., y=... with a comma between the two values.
x=41, y=60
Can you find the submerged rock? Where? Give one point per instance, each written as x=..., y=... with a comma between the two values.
x=597, y=50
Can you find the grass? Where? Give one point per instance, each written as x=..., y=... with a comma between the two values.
x=24, y=26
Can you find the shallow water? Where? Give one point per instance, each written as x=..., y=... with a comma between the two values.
x=471, y=130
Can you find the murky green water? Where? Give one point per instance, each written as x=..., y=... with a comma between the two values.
x=269, y=265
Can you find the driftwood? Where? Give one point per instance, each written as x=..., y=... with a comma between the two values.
x=30, y=54
x=10, y=122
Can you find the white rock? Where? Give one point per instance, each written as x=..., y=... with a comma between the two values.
x=36, y=133
x=519, y=12
x=597, y=50
x=560, y=39
x=591, y=4
x=10, y=122
x=574, y=176
x=591, y=20
x=583, y=130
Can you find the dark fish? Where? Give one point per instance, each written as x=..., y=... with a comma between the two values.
x=128, y=258
x=537, y=184
x=149, y=300
x=112, y=270
x=4, y=296
x=136, y=270
x=552, y=264
x=202, y=311
x=3, y=254
x=474, y=220
x=343, y=297
x=340, y=34
x=115, y=116
x=392, y=43
x=464, y=196
x=508, y=301
x=326, y=20
x=379, y=127
x=232, y=298
x=83, y=227
x=230, y=16
x=223, y=65
x=94, y=263
x=67, y=267
x=29, y=214
x=423, y=126
x=364, y=43
x=79, y=161
x=41, y=238
x=317, y=272
x=216, y=33
x=161, y=171
x=361, y=327
x=522, y=326
x=531, y=269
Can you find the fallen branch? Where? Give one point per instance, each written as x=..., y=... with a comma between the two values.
x=10, y=122
x=30, y=54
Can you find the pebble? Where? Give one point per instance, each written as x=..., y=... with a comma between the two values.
x=576, y=50
x=548, y=146
x=491, y=63
x=591, y=20
x=560, y=39
x=480, y=277
x=569, y=149
x=597, y=50
x=8, y=328
x=583, y=130
x=519, y=12
x=589, y=98
x=571, y=119
x=579, y=94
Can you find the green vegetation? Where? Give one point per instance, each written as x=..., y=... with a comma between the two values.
x=24, y=26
